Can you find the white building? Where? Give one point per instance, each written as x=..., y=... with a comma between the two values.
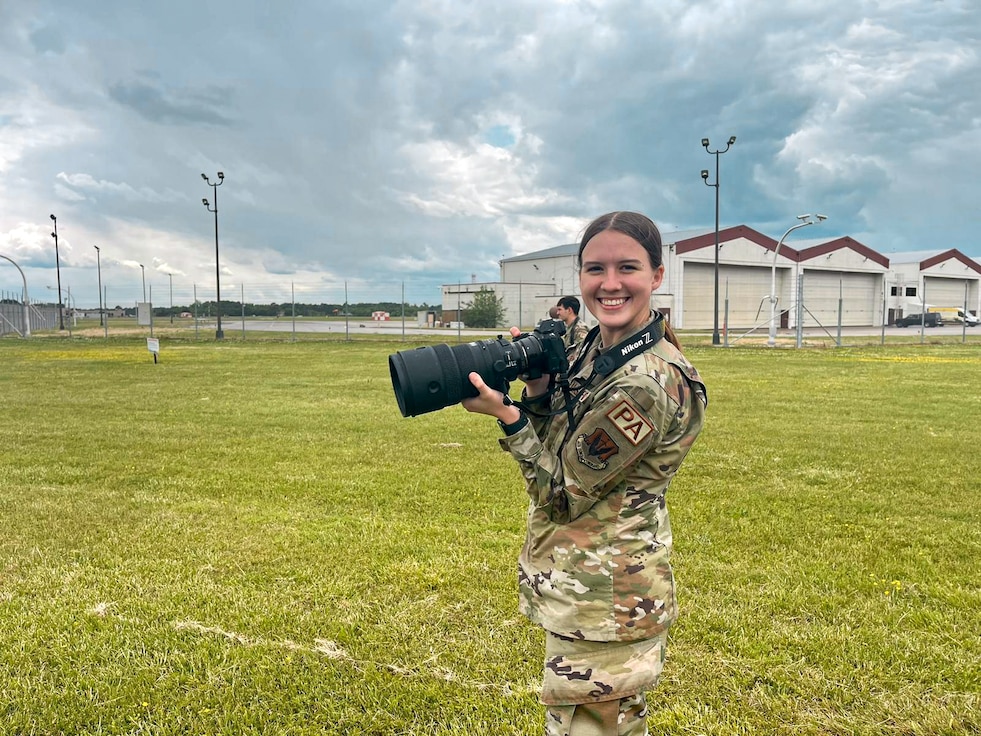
x=824, y=277
x=819, y=282
x=934, y=278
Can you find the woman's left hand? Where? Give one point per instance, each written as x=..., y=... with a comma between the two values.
x=489, y=401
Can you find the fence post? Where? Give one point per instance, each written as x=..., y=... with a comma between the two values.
x=725, y=319
x=882, y=339
x=800, y=309
x=841, y=309
x=964, y=321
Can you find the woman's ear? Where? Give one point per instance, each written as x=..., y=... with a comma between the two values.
x=657, y=278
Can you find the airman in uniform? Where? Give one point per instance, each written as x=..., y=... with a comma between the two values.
x=595, y=571
x=576, y=330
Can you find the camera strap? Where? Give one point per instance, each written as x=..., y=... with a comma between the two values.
x=618, y=355
x=606, y=363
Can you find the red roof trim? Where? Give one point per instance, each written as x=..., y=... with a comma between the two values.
x=732, y=233
x=845, y=242
x=946, y=256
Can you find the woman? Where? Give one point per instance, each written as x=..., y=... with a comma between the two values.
x=598, y=458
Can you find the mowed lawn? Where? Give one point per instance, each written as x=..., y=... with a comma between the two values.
x=250, y=539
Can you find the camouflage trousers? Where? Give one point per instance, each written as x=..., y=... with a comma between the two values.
x=623, y=717
x=596, y=688
x=580, y=671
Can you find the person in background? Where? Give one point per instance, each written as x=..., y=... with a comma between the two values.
x=567, y=310
x=553, y=312
x=597, y=460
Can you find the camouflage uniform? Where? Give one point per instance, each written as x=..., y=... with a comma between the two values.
x=575, y=333
x=594, y=571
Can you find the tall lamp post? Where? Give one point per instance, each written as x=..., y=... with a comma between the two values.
x=143, y=275
x=71, y=300
x=61, y=312
x=805, y=220
x=705, y=174
x=27, y=308
x=214, y=187
x=171, y=277
x=98, y=263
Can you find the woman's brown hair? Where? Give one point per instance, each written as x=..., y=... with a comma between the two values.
x=642, y=229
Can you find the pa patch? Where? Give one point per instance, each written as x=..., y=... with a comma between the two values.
x=630, y=421
x=596, y=449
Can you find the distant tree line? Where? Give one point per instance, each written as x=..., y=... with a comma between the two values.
x=229, y=307
x=361, y=309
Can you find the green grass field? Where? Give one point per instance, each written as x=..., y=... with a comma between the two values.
x=247, y=538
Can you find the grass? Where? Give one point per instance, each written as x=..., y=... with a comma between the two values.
x=247, y=538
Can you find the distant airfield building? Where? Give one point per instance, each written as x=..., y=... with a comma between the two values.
x=818, y=282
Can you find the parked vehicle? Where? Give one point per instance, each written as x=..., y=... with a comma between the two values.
x=956, y=315
x=966, y=318
x=930, y=319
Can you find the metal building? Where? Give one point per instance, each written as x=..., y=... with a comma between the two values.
x=818, y=282
x=922, y=279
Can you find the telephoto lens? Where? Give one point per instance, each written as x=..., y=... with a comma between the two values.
x=433, y=377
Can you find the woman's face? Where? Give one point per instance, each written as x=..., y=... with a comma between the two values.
x=616, y=280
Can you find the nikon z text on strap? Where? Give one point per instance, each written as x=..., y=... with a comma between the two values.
x=611, y=359
x=618, y=355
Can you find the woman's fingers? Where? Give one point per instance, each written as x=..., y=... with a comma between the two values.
x=487, y=400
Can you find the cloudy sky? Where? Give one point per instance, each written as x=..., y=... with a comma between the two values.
x=374, y=144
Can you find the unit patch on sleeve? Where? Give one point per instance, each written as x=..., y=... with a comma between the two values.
x=630, y=421
x=595, y=449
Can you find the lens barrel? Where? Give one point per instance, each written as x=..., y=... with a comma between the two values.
x=430, y=378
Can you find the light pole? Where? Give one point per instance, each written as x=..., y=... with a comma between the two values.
x=214, y=187
x=805, y=220
x=98, y=263
x=27, y=309
x=71, y=299
x=61, y=313
x=171, y=277
x=143, y=274
x=705, y=173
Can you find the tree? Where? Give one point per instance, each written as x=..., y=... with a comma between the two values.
x=486, y=309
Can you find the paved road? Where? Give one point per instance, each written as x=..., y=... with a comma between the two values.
x=395, y=329
x=391, y=327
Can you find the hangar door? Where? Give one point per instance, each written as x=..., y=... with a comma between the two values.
x=944, y=292
x=859, y=293
x=746, y=286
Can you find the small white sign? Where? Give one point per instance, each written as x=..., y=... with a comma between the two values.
x=153, y=345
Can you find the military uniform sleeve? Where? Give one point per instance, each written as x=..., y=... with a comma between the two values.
x=538, y=411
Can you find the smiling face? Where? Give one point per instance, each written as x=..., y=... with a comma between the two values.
x=616, y=279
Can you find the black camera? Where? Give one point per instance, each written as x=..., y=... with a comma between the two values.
x=431, y=378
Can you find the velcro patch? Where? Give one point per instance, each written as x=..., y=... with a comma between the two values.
x=630, y=421
x=596, y=449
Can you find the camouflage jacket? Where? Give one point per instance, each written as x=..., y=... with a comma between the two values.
x=595, y=562
x=575, y=333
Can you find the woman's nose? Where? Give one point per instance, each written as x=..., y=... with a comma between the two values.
x=611, y=281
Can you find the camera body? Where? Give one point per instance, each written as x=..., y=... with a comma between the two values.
x=434, y=377
x=552, y=358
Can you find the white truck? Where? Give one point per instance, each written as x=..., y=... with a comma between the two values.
x=956, y=315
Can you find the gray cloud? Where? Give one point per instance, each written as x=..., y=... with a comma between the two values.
x=168, y=106
x=374, y=143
